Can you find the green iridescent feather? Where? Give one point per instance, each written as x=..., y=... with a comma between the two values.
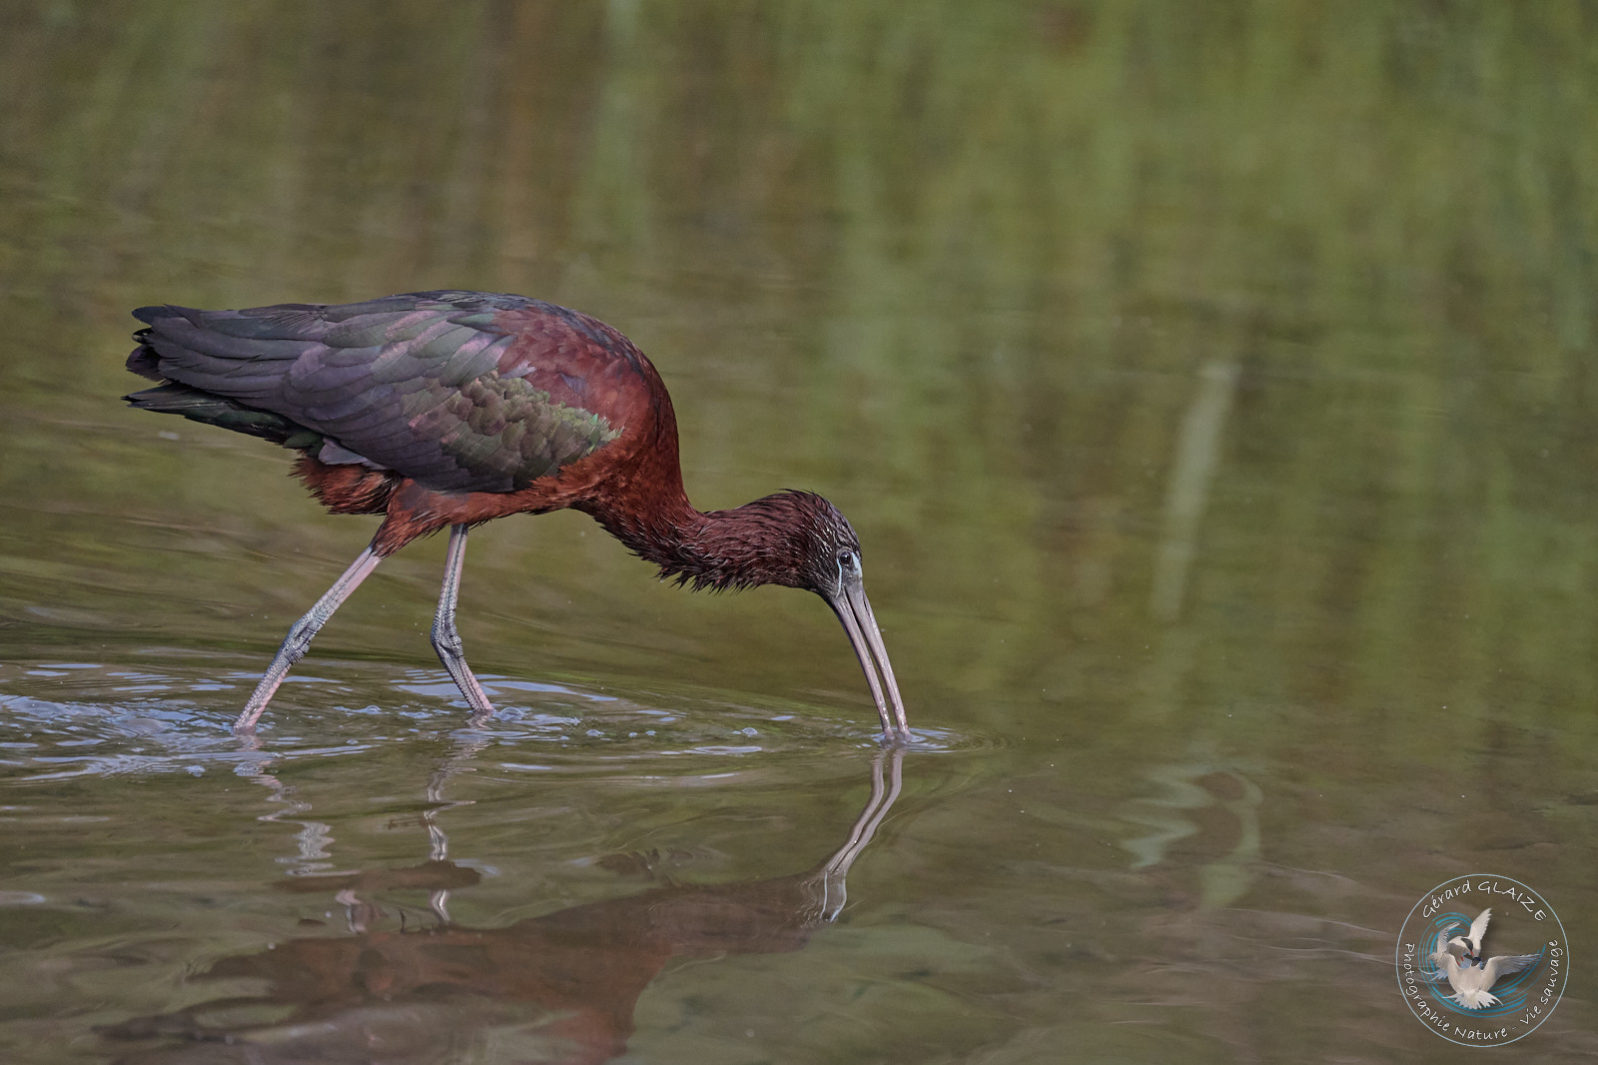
x=408, y=383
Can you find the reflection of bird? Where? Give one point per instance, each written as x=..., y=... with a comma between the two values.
x=1459, y=960
x=448, y=409
x=567, y=981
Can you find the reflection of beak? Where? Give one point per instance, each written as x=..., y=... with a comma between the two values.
x=854, y=610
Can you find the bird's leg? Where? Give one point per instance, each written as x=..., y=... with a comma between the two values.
x=447, y=641
x=301, y=634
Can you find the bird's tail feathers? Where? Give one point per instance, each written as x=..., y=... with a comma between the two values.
x=1476, y=999
x=211, y=409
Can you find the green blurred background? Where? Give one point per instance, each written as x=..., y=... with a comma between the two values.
x=1211, y=385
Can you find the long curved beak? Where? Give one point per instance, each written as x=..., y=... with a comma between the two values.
x=854, y=610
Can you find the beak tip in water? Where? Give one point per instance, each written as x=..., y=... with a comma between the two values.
x=854, y=610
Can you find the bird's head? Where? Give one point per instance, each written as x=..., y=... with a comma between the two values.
x=819, y=545
x=796, y=539
x=815, y=547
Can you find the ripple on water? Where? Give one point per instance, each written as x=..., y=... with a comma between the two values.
x=109, y=720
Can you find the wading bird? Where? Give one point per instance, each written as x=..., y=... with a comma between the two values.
x=449, y=409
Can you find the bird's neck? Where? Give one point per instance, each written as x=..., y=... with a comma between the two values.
x=718, y=549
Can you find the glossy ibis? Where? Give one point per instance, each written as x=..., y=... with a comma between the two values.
x=448, y=409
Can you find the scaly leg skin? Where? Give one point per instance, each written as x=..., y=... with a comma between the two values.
x=300, y=636
x=446, y=641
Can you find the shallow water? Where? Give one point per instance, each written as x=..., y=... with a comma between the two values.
x=1210, y=386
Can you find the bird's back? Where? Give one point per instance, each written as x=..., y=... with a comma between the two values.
x=456, y=391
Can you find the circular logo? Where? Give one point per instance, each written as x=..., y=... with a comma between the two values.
x=1482, y=960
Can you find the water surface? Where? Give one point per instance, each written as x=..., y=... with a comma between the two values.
x=1210, y=385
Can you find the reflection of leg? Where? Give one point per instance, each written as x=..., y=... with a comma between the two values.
x=312, y=838
x=437, y=840
x=301, y=634
x=447, y=641
x=467, y=746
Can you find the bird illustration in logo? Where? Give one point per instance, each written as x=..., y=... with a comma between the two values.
x=1462, y=962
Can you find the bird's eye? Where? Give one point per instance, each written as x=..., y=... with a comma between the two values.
x=848, y=561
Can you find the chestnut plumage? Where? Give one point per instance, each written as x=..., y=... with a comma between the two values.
x=448, y=409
